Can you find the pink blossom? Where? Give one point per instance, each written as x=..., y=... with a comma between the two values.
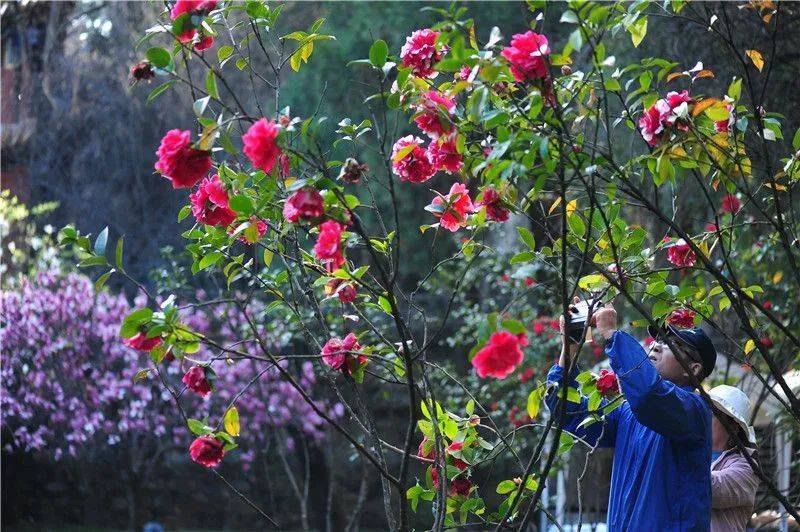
x=681, y=255
x=410, y=161
x=420, y=53
x=433, y=113
x=260, y=146
x=527, y=55
x=452, y=209
x=443, y=154
x=306, y=204
x=210, y=203
x=328, y=248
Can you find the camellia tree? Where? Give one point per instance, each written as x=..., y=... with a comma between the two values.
x=697, y=223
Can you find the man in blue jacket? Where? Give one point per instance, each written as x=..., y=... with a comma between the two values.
x=661, y=434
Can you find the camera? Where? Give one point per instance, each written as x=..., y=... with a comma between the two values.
x=576, y=328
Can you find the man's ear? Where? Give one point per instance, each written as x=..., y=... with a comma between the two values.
x=697, y=369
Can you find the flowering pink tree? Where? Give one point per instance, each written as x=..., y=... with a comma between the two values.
x=519, y=133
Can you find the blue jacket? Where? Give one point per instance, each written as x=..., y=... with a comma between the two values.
x=661, y=435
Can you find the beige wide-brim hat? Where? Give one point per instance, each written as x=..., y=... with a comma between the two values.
x=733, y=402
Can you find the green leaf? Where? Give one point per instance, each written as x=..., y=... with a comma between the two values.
x=98, y=284
x=211, y=85
x=565, y=443
x=198, y=427
x=118, y=252
x=525, y=256
x=534, y=401
x=526, y=237
x=100, y=242
x=155, y=93
x=158, y=56
x=378, y=53
x=796, y=140
x=385, y=305
x=232, y=421
x=209, y=260
x=224, y=52
x=92, y=261
x=576, y=225
x=241, y=204
x=199, y=106
x=638, y=30
x=506, y=486
x=141, y=374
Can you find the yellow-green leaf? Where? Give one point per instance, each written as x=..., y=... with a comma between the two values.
x=638, y=30
x=749, y=346
x=232, y=421
x=757, y=59
x=534, y=401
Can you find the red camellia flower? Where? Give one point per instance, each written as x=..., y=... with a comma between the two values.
x=676, y=99
x=420, y=53
x=493, y=203
x=195, y=380
x=443, y=155
x=341, y=354
x=142, y=70
x=205, y=42
x=530, y=281
x=652, y=121
x=411, y=163
x=766, y=342
x=207, y=451
x=711, y=227
x=261, y=230
x=681, y=255
x=346, y=292
x=607, y=384
x=767, y=304
x=259, y=144
x=731, y=204
x=460, y=485
x=328, y=248
x=452, y=209
x=527, y=56
x=305, y=203
x=434, y=111
x=179, y=162
x=538, y=328
x=141, y=342
x=682, y=318
x=210, y=203
x=499, y=357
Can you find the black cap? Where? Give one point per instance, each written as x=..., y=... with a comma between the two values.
x=695, y=338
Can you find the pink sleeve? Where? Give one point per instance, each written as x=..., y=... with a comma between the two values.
x=734, y=485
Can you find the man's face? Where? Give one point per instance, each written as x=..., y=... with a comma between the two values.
x=667, y=364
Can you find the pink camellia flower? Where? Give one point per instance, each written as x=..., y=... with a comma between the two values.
x=607, y=384
x=411, y=163
x=652, y=121
x=342, y=354
x=259, y=144
x=676, y=99
x=452, y=209
x=306, y=203
x=434, y=111
x=682, y=318
x=141, y=342
x=261, y=230
x=711, y=227
x=679, y=109
x=527, y=56
x=456, y=447
x=499, y=357
x=193, y=7
x=464, y=73
x=328, y=248
x=210, y=203
x=179, y=162
x=443, y=155
x=493, y=203
x=195, y=380
x=420, y=53
x=766, y=341
x=731, y=204
x=207, y=451
x=681, y=255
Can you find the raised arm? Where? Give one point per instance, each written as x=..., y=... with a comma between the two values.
x=657, y=403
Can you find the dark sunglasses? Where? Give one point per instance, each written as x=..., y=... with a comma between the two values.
x=684, y=350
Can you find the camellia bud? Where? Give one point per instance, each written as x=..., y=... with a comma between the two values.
x=566, y=70
x=474, y=420
x=142, y=71
x=352, y=171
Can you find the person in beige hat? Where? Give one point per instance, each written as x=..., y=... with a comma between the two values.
x=733, y=481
